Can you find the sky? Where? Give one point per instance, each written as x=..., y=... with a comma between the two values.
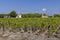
x=30, y=6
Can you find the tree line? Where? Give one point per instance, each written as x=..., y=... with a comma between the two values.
x=28, y=15
x=11, y=14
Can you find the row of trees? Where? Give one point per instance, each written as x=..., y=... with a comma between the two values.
x=37, y=15
x=11, y=14
x=29, y=15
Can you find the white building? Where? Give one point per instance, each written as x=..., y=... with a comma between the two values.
x=44, y=11
x=44, y=16
x=18, y=16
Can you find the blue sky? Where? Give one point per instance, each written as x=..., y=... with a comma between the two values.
x=30, y=6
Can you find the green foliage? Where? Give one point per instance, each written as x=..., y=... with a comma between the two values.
x=31, y=15
x=28, y=23
x=44, y=14
x=13, y=14
x=56, y=15
x=3, y=15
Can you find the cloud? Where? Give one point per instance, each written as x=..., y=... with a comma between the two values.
x=44, y=9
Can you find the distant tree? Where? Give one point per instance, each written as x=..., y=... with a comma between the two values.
x=50, y=16
x=36, y=15
x=44, y=14
x=2, y=15
x=24, y=16
x=13, y=14
x=56, y=15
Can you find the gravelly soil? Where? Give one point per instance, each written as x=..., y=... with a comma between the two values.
x=24, y=36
